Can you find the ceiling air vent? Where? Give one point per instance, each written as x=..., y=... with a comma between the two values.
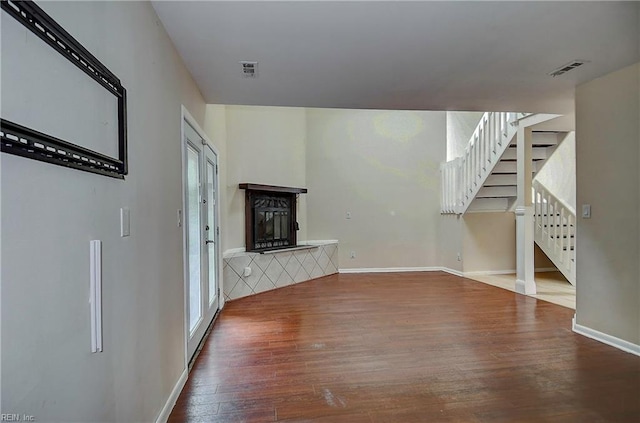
x=568, y=67
x=249, y=69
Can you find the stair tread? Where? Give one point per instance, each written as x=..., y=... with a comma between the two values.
x=514, y=160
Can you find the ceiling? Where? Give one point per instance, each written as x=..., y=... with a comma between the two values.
x=401, y=55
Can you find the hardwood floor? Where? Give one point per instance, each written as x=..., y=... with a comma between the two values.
x=404, y=347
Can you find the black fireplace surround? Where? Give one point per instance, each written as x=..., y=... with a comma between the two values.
x=270, y=217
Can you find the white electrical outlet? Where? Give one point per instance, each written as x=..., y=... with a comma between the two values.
x=459, y=257
x=586, y=211
x=353, y=254
x=348, y=215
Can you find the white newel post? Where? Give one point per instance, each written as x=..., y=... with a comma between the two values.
x=525, y=278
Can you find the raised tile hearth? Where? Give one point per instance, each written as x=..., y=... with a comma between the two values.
x=277, y=269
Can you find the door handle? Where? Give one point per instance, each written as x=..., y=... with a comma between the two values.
x=209, y=241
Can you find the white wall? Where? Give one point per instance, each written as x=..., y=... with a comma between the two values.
x=451, y=242
x=265, y=145
x=608, y=248
x=49, y=214
x=558, y=174
x=383, y=167
x=489, y=243
x=460, y=127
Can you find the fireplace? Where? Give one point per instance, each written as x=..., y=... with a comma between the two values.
x=270, y=217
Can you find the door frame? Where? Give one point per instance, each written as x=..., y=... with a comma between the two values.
x=186, y=116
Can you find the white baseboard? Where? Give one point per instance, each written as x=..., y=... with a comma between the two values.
x=390, y=269
x=507, y=272
x=437, y=269
x=452, y=271
x=618, y=343
x=171, y=401
x=546, y=269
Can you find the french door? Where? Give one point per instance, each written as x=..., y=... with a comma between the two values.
x=201, y=235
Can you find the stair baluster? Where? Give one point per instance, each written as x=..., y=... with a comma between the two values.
x=557, y=243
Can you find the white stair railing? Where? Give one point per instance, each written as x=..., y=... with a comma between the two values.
x=555, y=223
x=451, y=185
x=463, y=177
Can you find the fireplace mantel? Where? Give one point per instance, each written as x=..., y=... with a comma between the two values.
x=272, y=188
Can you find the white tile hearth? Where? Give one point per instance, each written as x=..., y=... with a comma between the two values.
x=274, y=270
x=263, y=260
x=301, y=276
x=264, y=284
x=278, y=269
x=292, y=267
x=284, y=280
x=309, y=263
x=239, y=263
x=240, y=290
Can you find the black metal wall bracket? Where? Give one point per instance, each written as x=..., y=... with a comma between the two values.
x=22, y=141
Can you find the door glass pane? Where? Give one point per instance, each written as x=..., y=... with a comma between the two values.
x=276, y=225
x=193, y=234
x=211, y=233
x=285, y=225
x=269, y=226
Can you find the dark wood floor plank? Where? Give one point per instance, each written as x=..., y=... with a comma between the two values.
x=410, y=347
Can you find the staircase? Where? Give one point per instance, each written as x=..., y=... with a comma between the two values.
x=484, y=179
x=555, y=231
x=464, y=177
x=499, y=190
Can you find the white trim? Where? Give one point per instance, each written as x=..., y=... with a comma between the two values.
x=319, y=242
x=186, y=116
x=453, y=271
x=507, y=272
x=185, y=259
x=545, y=269
x=437, y=269
x=298, y=247
x=390, y=269
x=193, y=122
x=618, y=343
x=231, y=251
x=95, y=294
x=171, y=401
x=489, y=272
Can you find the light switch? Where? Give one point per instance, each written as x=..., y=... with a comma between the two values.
x=125, y=223
x=586, y=211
